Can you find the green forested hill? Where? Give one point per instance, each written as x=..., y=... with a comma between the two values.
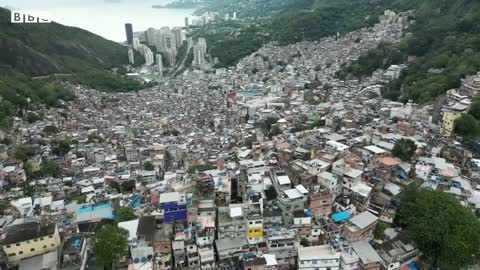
x=31, y=50
x=444, y=47
x=43, y=49
x=300, y=20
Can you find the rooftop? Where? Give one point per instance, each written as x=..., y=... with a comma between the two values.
x=27, y=231
x=365, y=252
x=363, y=219
x=316, y=252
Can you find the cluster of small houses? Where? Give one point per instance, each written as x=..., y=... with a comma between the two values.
x=307, y=198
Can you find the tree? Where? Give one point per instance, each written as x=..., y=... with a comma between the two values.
x=109, y=242
x=148, y=166
x=304, y=242
x=61, y=147
x=128, y=186
x=199, y=168
x=24, y=152
x=475, y=108
x=404, y=149
x=274, y=131
x=379, y=231
x=81, y=198
x=51, y=168
x=50, y=130
x=466, y=126
x=116, y=186
x=126, y=214
x=446, y=232
x=27, y=189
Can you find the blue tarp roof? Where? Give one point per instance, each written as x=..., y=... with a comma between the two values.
x=98, y=212
x=341, y=216
x=412, y=266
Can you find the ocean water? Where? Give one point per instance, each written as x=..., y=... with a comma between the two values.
x=106, y=17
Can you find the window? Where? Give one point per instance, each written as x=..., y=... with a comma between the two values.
x=8, y=246
x=17, y=244
x=35, y=240
x=32, y=249
x=50, y=236
x=20, y=252
x=52, y=244
x=11, y=254
x=45, y=246
x=41, y=238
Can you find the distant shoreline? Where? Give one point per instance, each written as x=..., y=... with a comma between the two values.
x=178, y=5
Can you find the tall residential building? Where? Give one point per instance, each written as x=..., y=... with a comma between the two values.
x=136, y=43
x=186, y=22
x=203, y=43
x=129, y=33
x=198, y=55
x=234, y=15
x=165, y=40
x=170, y=56
x=150, y=36
x=160, y=64
x=149, y=57
x=131, y=58
x=179, y=36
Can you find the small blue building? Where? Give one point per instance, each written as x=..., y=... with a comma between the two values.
x=174, y=206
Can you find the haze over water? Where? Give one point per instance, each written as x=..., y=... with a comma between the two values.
x=106, y=17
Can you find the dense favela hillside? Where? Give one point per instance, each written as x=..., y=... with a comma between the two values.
x=296, y=21
x=32, y=50
x=442, y=48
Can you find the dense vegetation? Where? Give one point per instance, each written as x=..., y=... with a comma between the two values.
x=296, y=21
x=33, y=50
x=254, y=8
x=447, y=233
x=404, y=149
x=468, y=125
x=18, y=93
x=444, y=47
x=109, y=243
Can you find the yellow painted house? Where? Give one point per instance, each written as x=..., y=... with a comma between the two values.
x=255, y=232
x=448, y=122
x=28, y=239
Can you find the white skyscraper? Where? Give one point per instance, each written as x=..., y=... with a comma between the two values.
x=160, y=64
x=203, y=43
x=234, y=15
x=198, y=55
x=131, y=58
x=136, y=43
x=149, y=60
x=179, y=36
